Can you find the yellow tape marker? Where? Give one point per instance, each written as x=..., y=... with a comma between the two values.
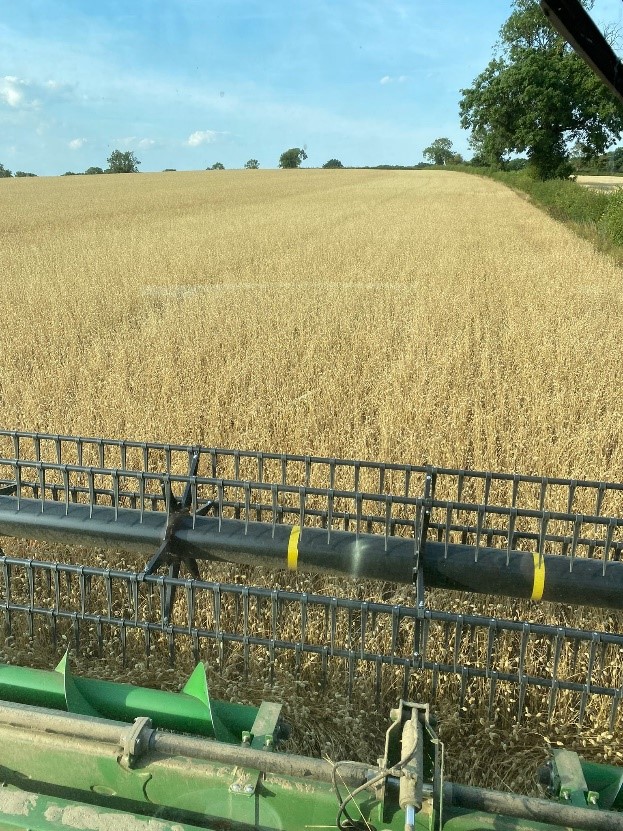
x=293, y=548
x=539, y=576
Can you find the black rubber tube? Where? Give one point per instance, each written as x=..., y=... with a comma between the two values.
x=557, y=578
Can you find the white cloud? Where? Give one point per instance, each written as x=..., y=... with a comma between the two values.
x=12, y=91
x=21, y=94
x=146, y=143
x=400, y=79
x=77, y=143
x=200, y=137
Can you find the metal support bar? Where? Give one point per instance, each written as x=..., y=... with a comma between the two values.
x=574, y=24
x=168, y=553
x=164, y=743
x=537, y=810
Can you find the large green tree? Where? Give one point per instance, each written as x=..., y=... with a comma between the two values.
x=5, y=173
x=536, y=97
x=122, y=162
x=292, y=157
x=439, y=152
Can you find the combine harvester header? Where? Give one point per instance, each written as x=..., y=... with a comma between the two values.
x=194, y=762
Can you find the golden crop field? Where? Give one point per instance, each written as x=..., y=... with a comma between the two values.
x=405, y=316
x=607, y=183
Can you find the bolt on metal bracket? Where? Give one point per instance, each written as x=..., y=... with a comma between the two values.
x=245, y=781
x=135, y=742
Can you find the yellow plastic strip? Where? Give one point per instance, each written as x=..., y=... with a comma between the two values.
x=539, y=576
x=293, y=548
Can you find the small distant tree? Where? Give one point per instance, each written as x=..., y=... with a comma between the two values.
x=21, y=174
x=4, y=173
x=93, y=171
x=332, y=163
x=120, y=162
x=252, y=164
x=439, y=152
x=170, y=170
x=217, y=166
x=616, y=159
x=292, y=157
x=69, y=173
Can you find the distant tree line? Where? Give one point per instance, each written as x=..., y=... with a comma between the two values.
x=5, y=173
x=440, y=153
x=605, y=163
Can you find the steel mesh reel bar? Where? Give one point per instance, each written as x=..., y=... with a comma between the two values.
x=523, y=536
x=482, y=507
x=507, y=534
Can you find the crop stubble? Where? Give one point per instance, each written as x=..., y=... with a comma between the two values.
x=404, y=316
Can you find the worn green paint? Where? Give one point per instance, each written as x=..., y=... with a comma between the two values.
x=49, y=785
x=193, y=790
x=186, y=793
x=23, y=810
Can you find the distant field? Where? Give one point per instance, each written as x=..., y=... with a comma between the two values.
x=606, y=183
x=407, y=316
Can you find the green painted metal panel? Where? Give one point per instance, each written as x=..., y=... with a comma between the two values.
x=607, y=781
x=190, y=711
x=23, y=810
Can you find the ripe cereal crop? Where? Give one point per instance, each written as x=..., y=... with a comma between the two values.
x=408, y=316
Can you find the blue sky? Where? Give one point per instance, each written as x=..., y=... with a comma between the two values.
x=186, y=83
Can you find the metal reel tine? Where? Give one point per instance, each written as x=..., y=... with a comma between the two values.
x=616, y=700
x=553, y=693
x=493, y=685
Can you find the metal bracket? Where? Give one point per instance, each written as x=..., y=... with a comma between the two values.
x=263, y=735
x=135, y=742
x=245, y=781
x=431, y=765
x=568, y=777
x=421, y=533
x=266, y=730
